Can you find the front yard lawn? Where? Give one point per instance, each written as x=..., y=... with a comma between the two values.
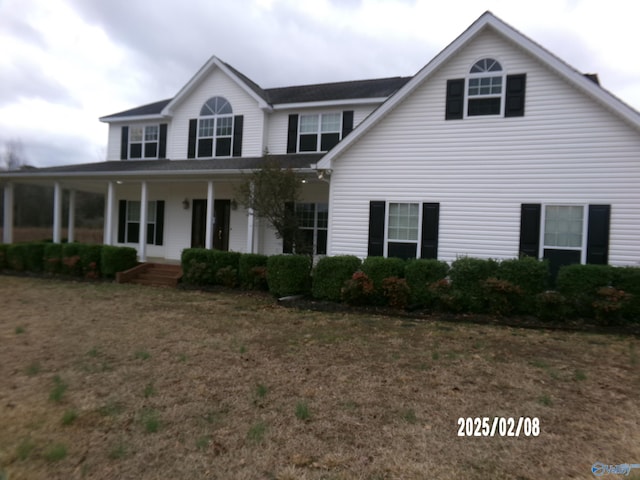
x=108, y=381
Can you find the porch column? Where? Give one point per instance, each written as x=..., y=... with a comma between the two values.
x=142, y=248
x=72, y=217
x=7, y=227
x=108, y=214
x=251, y=221
x=208, y=243
x=57, y=212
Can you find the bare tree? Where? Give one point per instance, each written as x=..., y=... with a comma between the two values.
x=12, y=156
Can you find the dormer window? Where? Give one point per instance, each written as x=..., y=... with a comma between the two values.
x=484, y=92
x=143, y=141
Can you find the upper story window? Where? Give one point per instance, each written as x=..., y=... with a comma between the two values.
x=484, y=92
x=215, y=129
x=487, y=90
x=143, y=141
x=318, y=132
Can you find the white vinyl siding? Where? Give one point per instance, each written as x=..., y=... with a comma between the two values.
x=567, y=149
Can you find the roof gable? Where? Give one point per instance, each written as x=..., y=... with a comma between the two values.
x=584, y=83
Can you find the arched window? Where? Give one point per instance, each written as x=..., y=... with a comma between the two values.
x=485, y=89
x=215, y=128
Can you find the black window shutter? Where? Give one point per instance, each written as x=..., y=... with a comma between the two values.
x=292, y=134
x=238, y=122
x=514, y=102
x=124, y=143
x=598, y=234
x=122, y=220
x=159, y=222
x=162, y=140
x=455, y=99
x=287, y=240
x=430, y=223
x=376, y=228
x=193, y=133
x=347, y=122
x=530, y=229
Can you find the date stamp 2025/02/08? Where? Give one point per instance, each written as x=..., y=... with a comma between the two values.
x=527, y=427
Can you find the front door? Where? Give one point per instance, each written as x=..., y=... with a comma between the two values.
x=221, y=213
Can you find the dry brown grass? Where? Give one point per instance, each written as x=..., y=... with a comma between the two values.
x=222, y=374
x=36, y=234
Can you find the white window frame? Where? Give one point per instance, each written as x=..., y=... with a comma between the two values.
x=143, y=141
x=387, y=221
x=316, y=228
x=318, y=131
x=216, y=118
x=585, y=227
x=150, y=221
x=502, y=74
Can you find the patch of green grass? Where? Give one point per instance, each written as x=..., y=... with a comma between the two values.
x=435, y=356
x=256, y=432
x=539, y=364
x=69, y=417
x=33, y=368
x=55, y=453
x=261, y=390
x=545, y=400
x=302, y=411
x=409, y=416
x=20, y=330
x=150, y=420
x=182, y=358
x=57, y=392
x=24, y=449
x=118, y=451
x=203, y=442
x=142, y=355
x=149, y=390
x=242, y=349
x=3, y=475
x=579, y=375
x=633, y=355
x=93, y=352
x=111, y=408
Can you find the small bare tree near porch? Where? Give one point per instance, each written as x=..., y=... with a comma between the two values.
x=272, y=192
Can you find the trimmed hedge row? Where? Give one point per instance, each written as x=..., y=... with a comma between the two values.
x=72, y=259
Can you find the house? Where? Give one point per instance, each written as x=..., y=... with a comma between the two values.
x=496, y=148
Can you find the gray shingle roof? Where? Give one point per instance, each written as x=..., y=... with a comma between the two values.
x=294, y=161
x=357, y=89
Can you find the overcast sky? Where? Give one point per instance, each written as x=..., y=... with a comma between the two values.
x=64, y=63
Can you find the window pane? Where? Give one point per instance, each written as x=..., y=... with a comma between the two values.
x=206, y=127
x=223, y=147
x=151, y=212
x=403, y=221
x=308, y=143
x=224, y=126
x=328, y=141
x=151, y=133
x=308, y=123
x=135, y=134
x=323, y=215
x=205, y=147
x=563, y=226
x=136, y=150
x=133, y=211
x=151, y=150
x=305, y=212
x=331, y=122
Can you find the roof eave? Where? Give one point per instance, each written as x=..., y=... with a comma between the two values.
x=330, y=103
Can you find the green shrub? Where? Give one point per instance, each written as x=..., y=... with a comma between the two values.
x=71, y=259
x=379, y=268
x=501, y=296
x=628, y=280
x=289, y=274
x=17, y=257
x=90, y=260
x=420, y=274
x=528, y=273
x=227, y=276
x=34, y=256
x=551, y=305
x=53, y=258
x=223, y=259
x=467, y=276
x=579, y=284
x=358, y=290
x=252, y=269
x=117, y=259
x=396, y=292
x=197, y=266
x=609, y=305
x=330, y=274
x=3, y=255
